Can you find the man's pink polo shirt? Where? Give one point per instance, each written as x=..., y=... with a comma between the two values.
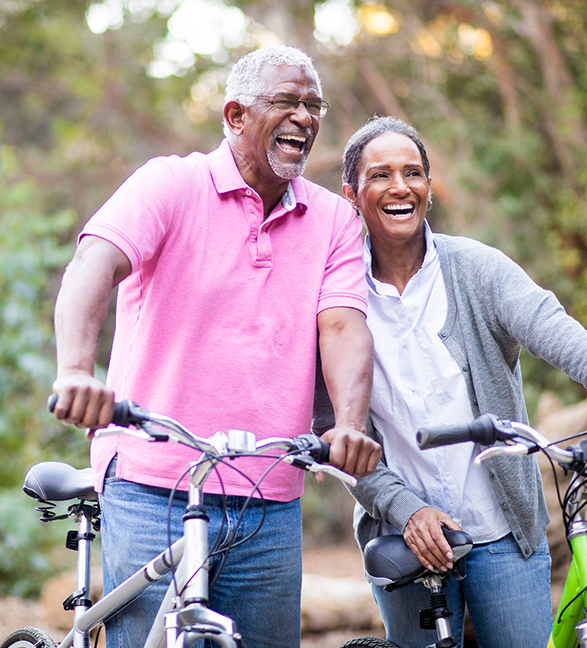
x=216, y=325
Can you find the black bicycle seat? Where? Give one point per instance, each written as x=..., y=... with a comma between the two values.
x=53, y=481
x=390, y=563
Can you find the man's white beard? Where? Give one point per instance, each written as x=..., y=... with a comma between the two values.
x=288, y=171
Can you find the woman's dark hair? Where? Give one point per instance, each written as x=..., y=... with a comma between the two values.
x=376, y=126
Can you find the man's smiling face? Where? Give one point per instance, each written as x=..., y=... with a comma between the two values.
x=277, y=143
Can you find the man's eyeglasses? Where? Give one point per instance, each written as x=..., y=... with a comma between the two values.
x=288, y=103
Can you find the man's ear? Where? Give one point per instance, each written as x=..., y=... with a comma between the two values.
x=234, y=115
x=349, y=194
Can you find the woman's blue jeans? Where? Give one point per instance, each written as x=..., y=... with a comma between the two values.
x=259, y=586
x=508, y=599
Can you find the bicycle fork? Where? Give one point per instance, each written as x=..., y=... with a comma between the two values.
x=438, y=613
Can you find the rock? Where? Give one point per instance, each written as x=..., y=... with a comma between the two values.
x=332, y=603
x=56, y=590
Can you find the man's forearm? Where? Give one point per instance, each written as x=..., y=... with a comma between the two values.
x=80, y=311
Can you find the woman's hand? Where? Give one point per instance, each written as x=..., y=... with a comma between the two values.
x=423, y=534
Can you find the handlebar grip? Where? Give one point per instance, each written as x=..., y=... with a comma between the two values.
x=482, y=430
x=125, y=412
x=314, y=446
x=322, y=453
x=51, y=402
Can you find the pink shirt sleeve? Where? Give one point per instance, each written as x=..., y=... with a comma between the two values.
x=148, y=196
x=344, y=282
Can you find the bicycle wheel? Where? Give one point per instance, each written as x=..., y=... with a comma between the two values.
x=28, y=638
x=366, y=642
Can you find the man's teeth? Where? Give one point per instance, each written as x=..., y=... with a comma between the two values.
x=399, y=210
x=293, y=140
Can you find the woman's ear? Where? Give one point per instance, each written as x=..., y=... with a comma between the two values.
x=349, y=194
x=234, y=115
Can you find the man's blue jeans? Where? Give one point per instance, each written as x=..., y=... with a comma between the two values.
x=259, y=586
x=508, y=599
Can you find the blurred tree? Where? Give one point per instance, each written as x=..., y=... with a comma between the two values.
x=33, y=245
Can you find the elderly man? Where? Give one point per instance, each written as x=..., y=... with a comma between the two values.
x=230, y=266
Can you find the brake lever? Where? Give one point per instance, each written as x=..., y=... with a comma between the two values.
x=309, y=465
x=138, y=433
x=515, y=449
x=153, y=435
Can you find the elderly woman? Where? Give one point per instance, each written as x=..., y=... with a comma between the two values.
x=449, y=316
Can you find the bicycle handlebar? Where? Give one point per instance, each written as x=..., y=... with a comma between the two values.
x=518, y=438
x=127, y=413
x=485, y=430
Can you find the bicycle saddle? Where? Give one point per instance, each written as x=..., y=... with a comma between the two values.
x=55, y=481
x=390, y=563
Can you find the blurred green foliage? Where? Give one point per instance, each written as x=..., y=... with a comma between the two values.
x=33, y=247
x=31, y=551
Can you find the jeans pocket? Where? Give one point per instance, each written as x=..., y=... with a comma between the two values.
x=110, y=474
x=505, y=545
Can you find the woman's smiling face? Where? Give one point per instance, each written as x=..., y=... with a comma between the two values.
x=393, y=190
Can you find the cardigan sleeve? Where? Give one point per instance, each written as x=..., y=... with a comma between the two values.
x=537, y=319
x=384, y=496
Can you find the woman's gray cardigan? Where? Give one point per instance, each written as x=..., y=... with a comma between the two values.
x=494, y=309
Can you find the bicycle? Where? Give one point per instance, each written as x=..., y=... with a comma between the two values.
x=518, y=439
x=391, y=564
x=184, y=615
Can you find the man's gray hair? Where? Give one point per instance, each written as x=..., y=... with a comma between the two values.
x=245, y=81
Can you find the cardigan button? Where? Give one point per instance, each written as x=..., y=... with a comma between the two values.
x=519, y=535
x=505, y=506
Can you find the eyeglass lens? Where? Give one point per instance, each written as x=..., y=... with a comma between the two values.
x=284, y=101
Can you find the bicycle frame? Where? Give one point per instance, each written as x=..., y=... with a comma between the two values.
x=518, y=439
x=570, y=625
x=186, y=615
x=183, y=615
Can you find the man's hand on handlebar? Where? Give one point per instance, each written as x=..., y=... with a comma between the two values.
x=352, y=451
x=423, y=534
x=83, y=401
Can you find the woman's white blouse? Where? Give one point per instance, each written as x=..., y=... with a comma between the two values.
x=418, y=383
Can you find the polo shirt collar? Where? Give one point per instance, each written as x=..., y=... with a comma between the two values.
x=226, y=177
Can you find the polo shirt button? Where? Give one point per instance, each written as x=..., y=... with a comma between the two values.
x=504, y=506
x=519, y=535
x=248, y=192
